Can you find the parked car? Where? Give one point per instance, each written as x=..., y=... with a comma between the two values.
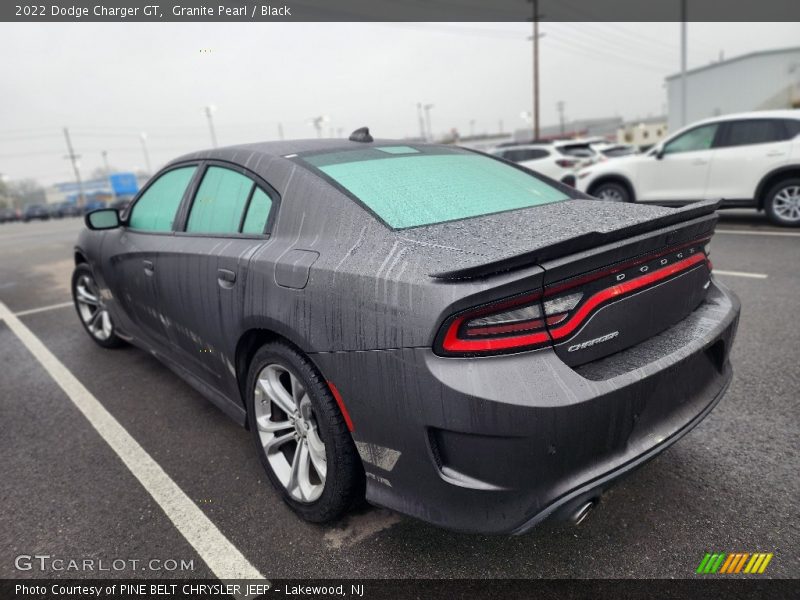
x=93, y=205
x=608, y=150
x=453, y=336
x=747, y=160
x=69, y=209
x=35, y=211
x=557, y=160
x=8, y=215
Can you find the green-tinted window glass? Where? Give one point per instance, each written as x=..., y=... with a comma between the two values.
x=155, y=210
x=219, y=202
x=257, y=212
x=408, y=190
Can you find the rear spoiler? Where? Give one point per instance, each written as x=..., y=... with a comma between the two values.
x=581, y=242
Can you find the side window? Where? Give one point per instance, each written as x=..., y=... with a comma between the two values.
x=792, y=127
x=755, y=131
x=219, y=202
x=257, y=213
x=155, y=209
x=699, y=138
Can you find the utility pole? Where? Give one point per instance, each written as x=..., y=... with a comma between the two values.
x=560, y=106
x=536, y=69
x=210, y=109
x=143, y=139
x=74, y=159
x=683, y=62
x=472, y=128
x=422, y=133
x=280, y=131
x=428, y=108
x=108, y=173
x=500, y=125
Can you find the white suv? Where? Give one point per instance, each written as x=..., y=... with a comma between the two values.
x=557, y=160
x=747, y=160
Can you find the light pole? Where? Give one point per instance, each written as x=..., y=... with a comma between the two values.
x=143, y=139
x=209, y=110
x=75, y=167
x=318, y=122
x=108, y=173
x=421, y=119
x=683, y=62
x=428, y=108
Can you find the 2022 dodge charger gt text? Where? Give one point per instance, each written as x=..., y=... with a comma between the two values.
x=452, y=336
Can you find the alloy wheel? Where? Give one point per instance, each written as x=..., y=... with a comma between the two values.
x=786, y=204
x=289, y=433
x=90, y=307
x=610, y=194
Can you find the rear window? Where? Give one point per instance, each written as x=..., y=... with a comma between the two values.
x=412, y=186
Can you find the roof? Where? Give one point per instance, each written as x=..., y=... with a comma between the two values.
x=728, y=61
x=282, y=148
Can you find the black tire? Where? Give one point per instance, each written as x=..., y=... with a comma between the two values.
x=83, y=271
x=777, y=196
x=344, y=481
x=614, y=192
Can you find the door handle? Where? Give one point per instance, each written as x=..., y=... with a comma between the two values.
x=775, y=153
x=149, y=268
x=699, y=162
x=226, y=278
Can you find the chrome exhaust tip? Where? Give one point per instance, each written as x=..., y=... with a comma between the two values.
x=579, y=516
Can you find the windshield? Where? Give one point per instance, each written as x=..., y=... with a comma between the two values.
x=409, y=186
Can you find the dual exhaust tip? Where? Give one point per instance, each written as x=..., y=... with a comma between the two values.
x=580, y=515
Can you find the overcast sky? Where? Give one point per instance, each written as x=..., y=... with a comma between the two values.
x=109, y=82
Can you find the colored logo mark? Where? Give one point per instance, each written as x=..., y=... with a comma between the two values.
x=739, y=562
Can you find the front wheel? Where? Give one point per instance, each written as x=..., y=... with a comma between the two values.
x=92, y=311
x=783, y=203
x=612, y=192
x=300, y=435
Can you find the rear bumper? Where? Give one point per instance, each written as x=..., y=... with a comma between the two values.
x=498, y=444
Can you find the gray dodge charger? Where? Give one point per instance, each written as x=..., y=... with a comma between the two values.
x=433, y=329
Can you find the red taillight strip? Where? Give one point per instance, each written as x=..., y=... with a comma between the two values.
x=620, y=289
x=453, y=343
x=338, y=397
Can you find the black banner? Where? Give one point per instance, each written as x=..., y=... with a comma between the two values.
x=403, y=10
x=749, y=587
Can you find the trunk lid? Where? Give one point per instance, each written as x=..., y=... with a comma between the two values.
x=614, y=275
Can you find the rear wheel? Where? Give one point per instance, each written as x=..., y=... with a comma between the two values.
x=89, y=303
x=300, y=435
x=782, y=203
x=612, y=192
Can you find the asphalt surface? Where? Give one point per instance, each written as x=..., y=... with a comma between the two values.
x=731, y=485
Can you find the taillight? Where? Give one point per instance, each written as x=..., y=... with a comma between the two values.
x=536, y=320
x=565, y=163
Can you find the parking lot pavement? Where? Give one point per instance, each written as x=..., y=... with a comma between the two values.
x=730, y=485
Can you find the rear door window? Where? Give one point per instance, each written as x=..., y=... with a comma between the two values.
x=219, y=202
x=257, y=212
x=155, y=209
x=754, y=131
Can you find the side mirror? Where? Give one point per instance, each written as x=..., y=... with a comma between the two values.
x=103, y=218
x=660, y=153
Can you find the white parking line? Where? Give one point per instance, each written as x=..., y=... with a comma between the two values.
x=32, y=311
x=744, y=232
x=222, y=557
x=740, y=274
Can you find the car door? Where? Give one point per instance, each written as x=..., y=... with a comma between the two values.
x=747, y=150
x=202, y=278
x=132, y=253
x=678, y=171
